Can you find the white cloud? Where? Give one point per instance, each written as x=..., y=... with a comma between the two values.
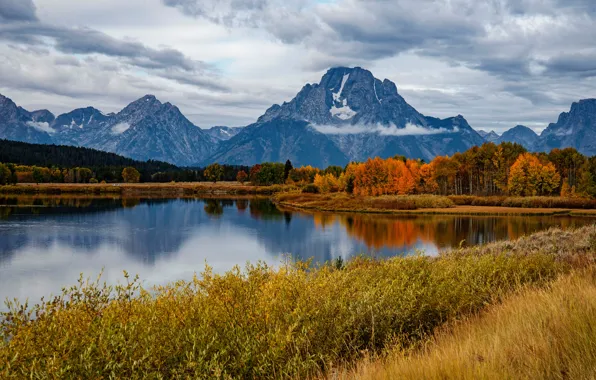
x=120, y=128
x=41, y=126
x=390, y=130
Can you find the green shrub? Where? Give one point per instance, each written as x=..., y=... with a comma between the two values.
x=310, y=189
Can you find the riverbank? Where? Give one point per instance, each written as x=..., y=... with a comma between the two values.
x=290, y=197
x=419, y=205
x=292, y=321
x=173, y=189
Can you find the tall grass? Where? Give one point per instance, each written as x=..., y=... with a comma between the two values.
x=524, y=202
x=539, y=334
x=345, y=202
x=262, y=322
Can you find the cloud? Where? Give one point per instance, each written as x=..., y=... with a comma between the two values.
x=286, y=20
x=87, y=41
x=17, y=10
x=41, y=126
x=389, y=130
x=120, y=128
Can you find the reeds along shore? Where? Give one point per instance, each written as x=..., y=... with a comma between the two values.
x=294, y=321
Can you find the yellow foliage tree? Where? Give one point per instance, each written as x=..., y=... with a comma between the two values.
x=327, y=183
x=528, y=176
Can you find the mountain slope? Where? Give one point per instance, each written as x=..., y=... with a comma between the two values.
x=277, y=141
x=576, y=128
x=63, y=156
x=148, y=129
x=519, y=134
x=19, y=124
x=356, y=113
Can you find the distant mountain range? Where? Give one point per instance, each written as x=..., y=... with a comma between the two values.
x=348, y=116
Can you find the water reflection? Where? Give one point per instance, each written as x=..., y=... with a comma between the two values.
x=45, y=242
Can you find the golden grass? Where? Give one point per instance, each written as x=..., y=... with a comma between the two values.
x=493, y=210
x=413, y=204
x=342, y=202
x=164, y=189
x=524, y=202
x=270, y=323
x=545, y=333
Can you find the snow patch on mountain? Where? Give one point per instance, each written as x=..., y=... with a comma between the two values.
x=344, y=112
x=337, y=95
x=120, y=128
x=383, y=130
x=41, y=126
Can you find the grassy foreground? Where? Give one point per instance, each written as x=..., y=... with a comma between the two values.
x=269, y=323
x=539, y=334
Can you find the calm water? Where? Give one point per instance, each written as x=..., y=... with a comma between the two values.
x=45, y=243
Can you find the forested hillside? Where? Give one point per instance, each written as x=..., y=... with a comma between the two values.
x=69, y=156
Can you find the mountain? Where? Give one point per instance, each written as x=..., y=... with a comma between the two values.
x=148, y=129
x=144, y=130
x=221, y=133
x=491, y=136
x=519, y=134
x=357, y=114
x=277, y=141
x=576, y=128
x=19, y=124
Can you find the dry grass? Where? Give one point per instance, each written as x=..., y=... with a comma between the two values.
x=524, y=202
x=413, y=204
x=545, y=333
x=342, y=202
x=141, y=189
x=500, y=211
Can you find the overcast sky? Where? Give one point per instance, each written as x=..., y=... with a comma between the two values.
x=224, y=62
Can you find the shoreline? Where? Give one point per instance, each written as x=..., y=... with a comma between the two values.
x=331, y=204
x=131, y=189
x=457, y=210
x=285, y=196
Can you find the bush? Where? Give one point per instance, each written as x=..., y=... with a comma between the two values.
x=310, y=188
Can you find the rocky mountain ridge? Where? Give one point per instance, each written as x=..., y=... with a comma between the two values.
x=348, y=116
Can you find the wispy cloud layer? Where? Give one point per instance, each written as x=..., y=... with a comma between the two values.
x=383, y=130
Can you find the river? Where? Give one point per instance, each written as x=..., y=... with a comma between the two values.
x=47, y=242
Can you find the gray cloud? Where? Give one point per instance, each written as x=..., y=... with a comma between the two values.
x=582, y=65
x=88, y=41
x=17, y=10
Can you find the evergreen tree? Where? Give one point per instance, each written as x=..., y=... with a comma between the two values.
x=288, y=168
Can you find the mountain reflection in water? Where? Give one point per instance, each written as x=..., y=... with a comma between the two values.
x=46, y=242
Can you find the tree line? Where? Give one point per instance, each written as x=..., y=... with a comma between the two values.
x=489, y=169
